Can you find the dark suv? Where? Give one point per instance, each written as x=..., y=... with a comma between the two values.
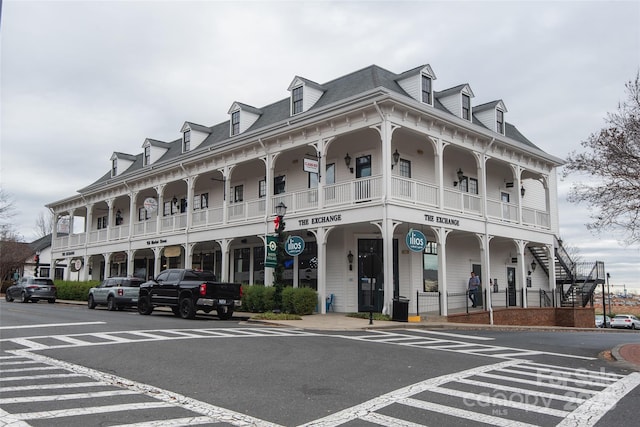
x=32, y=289
x=116, y=293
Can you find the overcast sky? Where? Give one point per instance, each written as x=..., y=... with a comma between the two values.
x=82, y=79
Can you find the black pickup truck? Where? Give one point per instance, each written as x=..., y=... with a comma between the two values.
x=187, y=291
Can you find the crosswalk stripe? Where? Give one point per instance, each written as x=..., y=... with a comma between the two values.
x=463, y=413
x=39, y=377
x=191, y=421
x=387, y=421
x=70, y=396
x=52, y=386
x=73, y=412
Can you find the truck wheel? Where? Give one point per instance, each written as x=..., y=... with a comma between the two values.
x=91, y=304
x=24, y=297
x=51, y=300
x=8, y=297
x=176, y=310
x=225, y=313
x=111, y=304
x=144, y=305
x=187, y=309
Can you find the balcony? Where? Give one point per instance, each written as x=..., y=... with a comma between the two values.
x=403, y=191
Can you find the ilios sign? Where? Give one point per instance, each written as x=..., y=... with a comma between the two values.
x=294, y=246
x=416, y=240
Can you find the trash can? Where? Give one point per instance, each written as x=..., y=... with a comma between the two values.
x=400, y=309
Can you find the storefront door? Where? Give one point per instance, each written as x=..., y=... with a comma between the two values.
x=371, y=274
x=511, y=286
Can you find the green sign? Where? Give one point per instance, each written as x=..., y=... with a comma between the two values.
x=271, y=260
x=294, y=246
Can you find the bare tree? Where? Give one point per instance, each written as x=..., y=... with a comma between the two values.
x=612, y=164
x=44, y=224
x=13, y=252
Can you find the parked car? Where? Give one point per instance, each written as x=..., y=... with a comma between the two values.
x=603, y=321
x=628, y=321
x=116, y=293
x=32, y=289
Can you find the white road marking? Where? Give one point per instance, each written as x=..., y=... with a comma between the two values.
x=194, y=421
x=50, y=325
x=69, y=396
x=449, y=334
x=583, y=408
x=590, y=412
x=52, y=386
x=166, y=398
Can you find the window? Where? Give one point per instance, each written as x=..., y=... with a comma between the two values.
x=499, y=121
x=204, y=200
x=405, y=168
x=426, y=89
x=262, y=188
x=279, y=184
x=238, y=193
x=235, y=123
x=430, y=267
x=143, y=214
x=114, y=167
x=147, y=155
x=469, y=185
x=363, y=166
x=329, y=176
x=166, y=210
x=466, y=107
x=186, y=140
x=102, y=222
x=296, y=99
x=196, y=202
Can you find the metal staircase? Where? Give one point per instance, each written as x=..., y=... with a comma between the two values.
x=575, y=282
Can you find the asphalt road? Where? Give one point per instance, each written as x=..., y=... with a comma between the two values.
x=66, y=365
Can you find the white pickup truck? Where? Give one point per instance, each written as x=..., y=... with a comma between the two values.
x=116, y=293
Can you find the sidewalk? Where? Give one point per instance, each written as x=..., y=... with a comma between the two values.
x=627, y=354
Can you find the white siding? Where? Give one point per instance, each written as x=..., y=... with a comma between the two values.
x=411, y=85
x=487, y=118
x=453, y=103
x=196, y=138
x=247, y=119
x=310, y=97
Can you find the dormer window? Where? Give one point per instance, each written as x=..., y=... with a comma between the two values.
x=500, y=121
x=427, y=93
x=466, y=107
x=186, y=140
x=235, y=123
x=114, y=167
x=296, y=100
x=147, y=155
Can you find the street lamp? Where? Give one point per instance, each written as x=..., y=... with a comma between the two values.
x=281, y=210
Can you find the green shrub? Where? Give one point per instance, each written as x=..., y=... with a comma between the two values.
x=261, y=299
x=257, y=298
x=305, y=301
x=76, y=291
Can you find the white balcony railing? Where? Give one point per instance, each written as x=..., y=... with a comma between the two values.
x=502, y=210
x=349, y=193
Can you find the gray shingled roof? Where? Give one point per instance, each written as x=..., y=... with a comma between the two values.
x=350, y=85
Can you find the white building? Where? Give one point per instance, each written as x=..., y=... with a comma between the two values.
x=398, y=160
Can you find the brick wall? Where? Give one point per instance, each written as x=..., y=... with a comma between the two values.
x=567, y=317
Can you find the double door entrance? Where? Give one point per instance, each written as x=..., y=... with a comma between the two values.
x=371, y=274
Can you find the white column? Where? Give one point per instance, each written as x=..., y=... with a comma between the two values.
x=321, y=240
x=441, y=234
x=157, y=263
x=522, y=270
x=188, y=253
x=224, y=246
x=130, y=262
x=387, y=241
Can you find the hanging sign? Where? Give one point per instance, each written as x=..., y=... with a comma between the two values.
x=416, y=240
x=294, y=246
x=310, y=165
x=172, y=251
x=76, y=264
x=150, y=204
x=271, y=259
